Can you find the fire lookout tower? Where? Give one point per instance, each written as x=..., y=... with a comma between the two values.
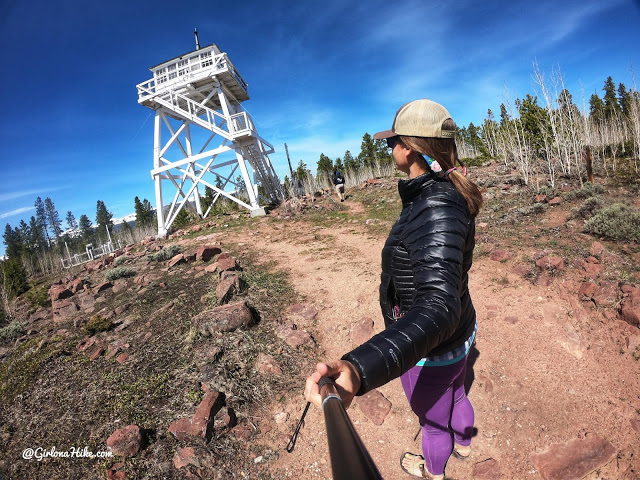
x=203, y=89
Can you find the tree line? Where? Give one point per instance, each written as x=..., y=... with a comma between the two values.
x=34, y=248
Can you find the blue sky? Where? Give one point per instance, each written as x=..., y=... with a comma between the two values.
x=320, y=75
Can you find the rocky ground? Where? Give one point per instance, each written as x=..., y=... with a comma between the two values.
x=192, y=363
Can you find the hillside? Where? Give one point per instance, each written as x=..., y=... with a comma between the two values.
x=190, y=361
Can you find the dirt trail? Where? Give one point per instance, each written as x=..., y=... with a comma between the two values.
x=547, y=368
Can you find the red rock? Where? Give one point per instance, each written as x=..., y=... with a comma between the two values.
x=362, y=331
x=499, y=255
x=190, y=256
x=122, y=357
x=113, y=474
x=591, y=259
x=126, y=441
x=593, y=270
x=64, y=309
x=176, y=260
x=227, y=288
x=206, y=253
x=574, y=459
x=550, y=263
x=59, y=292
x=596, y=249
x=225, y=418
x=40, y=314
x=86, y=300
x=511, y=320
x=606, y=295
x=635, y=424
x=522, y=270
x=226, y=262
x=375, y=406
x=555, y=201
x=103, y=286
x=185, y=456
x=266, y=364
x=587, y=289
x=119, y=285
x=99, y=350
x=488, y=469
x=201, y=423
x=120, y=309
x=541, y=198
x=77, y=284
x=225, y=318
x=630, y=311
x=292, y=336
x=195, y=228
x=308, y=312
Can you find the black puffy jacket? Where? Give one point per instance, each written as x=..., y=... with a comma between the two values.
x=425, y=265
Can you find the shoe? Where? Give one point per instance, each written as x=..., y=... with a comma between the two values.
x=461, y=452
x=416, y=467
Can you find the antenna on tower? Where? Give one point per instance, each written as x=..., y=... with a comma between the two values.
x=195, y=32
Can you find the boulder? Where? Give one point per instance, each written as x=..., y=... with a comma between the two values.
x=200, y=424
x=555, y=201
x=550, y=263
x=126, y=441
x=206, y=253
x=308, y=312
x=227, y=288
x=59, y=292
x=176, y=260
x=225, y=318
x=587, y=289
x=606, y=295
x=293, y=336
x=64, y=309
x=102, y=286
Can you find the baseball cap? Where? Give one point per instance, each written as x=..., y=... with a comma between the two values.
x=420, y=118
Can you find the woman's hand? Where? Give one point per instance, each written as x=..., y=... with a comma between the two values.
x=345, y=375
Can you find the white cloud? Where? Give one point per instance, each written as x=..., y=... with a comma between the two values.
x=17, y=211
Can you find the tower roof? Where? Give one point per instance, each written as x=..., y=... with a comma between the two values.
x=215, y=49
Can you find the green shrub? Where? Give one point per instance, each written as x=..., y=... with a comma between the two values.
x=165, y=254
x=588, y=208
x=184, y=218
x=11, y=331
x=13, y=277
x=39, y=295
x=532, y=209
x=97, y=324
x=587, y=190
x=120, y=260
x=616, y=222
x=120, y=272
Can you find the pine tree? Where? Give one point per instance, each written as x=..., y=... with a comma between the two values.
x=596, y=108
x=71, y=221
x=144, y=210
x=53, y=219
x=325, y=165
x=302, y=172
x=504, y=115
x=350, y=163
x=41, y=218
x=337, y=164
x=535, y=121
x=611, y=107
x=382, y=152
x=12, y=242
x=36, y=238
x=367, y=151
x=86, y=229
x=625, y=99
x=103, y=217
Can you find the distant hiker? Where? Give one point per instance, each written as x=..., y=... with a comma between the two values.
x=338, y=181
x=424, y=295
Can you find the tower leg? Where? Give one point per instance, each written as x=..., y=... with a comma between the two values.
x=158, y=176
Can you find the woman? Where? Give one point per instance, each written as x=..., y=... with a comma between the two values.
x=429, y=317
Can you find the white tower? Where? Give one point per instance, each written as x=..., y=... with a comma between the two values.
x=201, y=92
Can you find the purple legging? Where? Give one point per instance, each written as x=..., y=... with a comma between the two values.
x=437, y=396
